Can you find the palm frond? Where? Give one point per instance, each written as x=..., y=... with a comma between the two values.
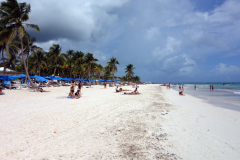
x=33, y=26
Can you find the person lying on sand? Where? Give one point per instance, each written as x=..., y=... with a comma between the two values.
x=181, y=93
x=40, y=90
x=1, y=92
x=120, y=90
x=77, y=94
x=133, y=92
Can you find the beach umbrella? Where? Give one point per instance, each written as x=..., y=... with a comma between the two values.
x=55, y=78
x=41, y=79
x=65, y=79
x=7, y=77
x=1, y=75
x=46, y=77
x=15, y=76
x=21, y=75
x=34, y=76
x=86, y=79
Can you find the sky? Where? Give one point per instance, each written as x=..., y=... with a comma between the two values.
x=165, y=40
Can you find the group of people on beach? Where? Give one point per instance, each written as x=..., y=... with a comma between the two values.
x=72, y=88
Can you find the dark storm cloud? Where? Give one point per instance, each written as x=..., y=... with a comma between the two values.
x=158, y=37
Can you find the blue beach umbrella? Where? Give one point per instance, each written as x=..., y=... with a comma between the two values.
x=41, y=79
x=7, y=77
x=15, y=76
x=34, y=76
x=21, y=75
x=65, y=79
x=46, y=77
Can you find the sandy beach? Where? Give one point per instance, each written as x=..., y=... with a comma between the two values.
x=102, y=124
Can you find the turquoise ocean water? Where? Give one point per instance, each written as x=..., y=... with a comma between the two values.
x=225, y=95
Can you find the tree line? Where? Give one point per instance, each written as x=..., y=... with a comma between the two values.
x=20, y=53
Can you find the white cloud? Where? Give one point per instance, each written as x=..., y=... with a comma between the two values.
x=226, y=13
x=179, y=65
x=152, y=33
x=172, y=45
x=224, y=69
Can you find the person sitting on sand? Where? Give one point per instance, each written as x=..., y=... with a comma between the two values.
x=1, y=92
x=181, y=93
x=117, y=89
x=77, y=94
x=71, y=94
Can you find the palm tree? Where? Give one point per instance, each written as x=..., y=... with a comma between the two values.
x=80, y=67
x=3, y=46
x=13, y=15
x=129, y=69
x=29, y=46
x=98, y=69
x=56, y=57
x=69, y=62
x=136, y=79
x=38, y=61
x=89, y=59
x=112, y=67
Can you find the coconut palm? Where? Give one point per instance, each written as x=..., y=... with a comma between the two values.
x=136, y=79
x=38, y=61
x=3, y=47
x=98, y=69
x=129, y=69
x=29, y=46
x=69, y=62
x=89, y=59
x=112, y=66
x=14, y=15
x=80, y=67
x=56, y=57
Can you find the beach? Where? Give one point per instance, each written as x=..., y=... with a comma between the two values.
x=103, y=124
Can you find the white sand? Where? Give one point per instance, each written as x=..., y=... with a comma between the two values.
x=107, y=125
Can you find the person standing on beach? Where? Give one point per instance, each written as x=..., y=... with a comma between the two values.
x=195, y=86
x=105, y=84
x=210, y=87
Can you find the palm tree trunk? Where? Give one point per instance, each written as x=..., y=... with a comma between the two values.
x=89, y=72
x=55, y=70
x=39, y=70
x=113, y=79
x=25, y=66
x=4, y=67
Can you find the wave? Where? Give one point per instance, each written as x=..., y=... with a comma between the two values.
x=232, y=91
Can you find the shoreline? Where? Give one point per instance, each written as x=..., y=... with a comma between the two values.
x=102, y=124
x=209, y=132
